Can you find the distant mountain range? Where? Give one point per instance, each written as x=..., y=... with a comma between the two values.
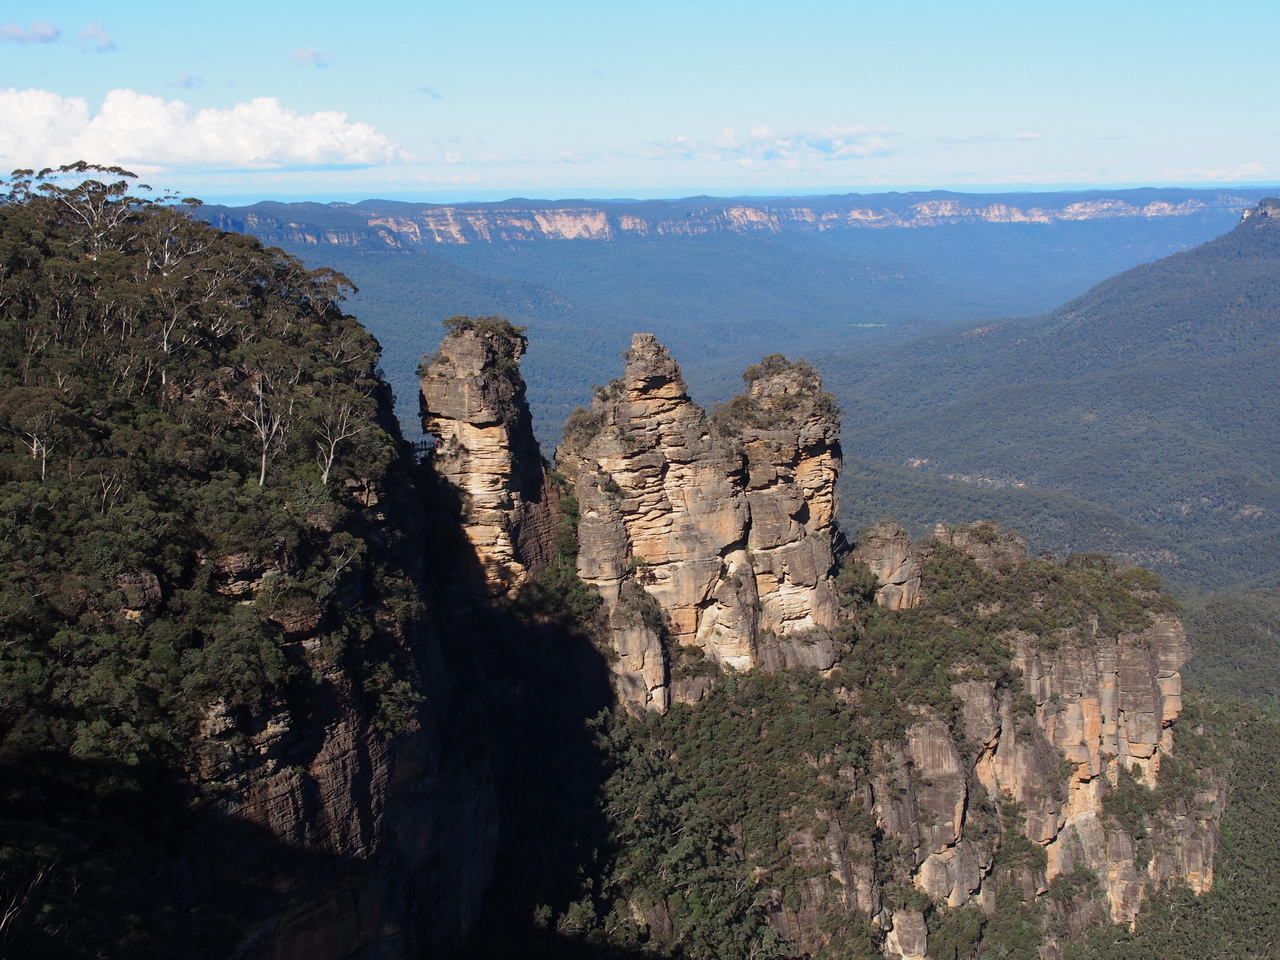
x=1153, y=399
x=397, y=223
x=722, y=282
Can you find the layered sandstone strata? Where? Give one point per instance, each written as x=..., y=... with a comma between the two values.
x=473, y=402
x=726, y=527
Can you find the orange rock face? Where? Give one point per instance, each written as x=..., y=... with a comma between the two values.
x=727, y=525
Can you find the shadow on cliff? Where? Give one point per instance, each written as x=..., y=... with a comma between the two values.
x=526, y=684
x=102, y=858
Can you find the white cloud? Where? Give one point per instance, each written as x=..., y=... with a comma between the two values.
x=42, y=31
x=312, y=57
x=96, y=34
x=760, y=146
x=39, y=128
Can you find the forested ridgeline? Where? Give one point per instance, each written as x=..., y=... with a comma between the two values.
x=193, y=557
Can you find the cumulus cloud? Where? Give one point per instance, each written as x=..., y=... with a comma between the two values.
x=95, y=37
x=310, y=56
x=39, y=128
x=42, y=31
x=761, y=146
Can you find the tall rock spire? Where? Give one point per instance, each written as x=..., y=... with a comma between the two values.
x=790, y=432
x=473, y=401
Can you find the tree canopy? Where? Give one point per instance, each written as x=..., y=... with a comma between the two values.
x=189, y=422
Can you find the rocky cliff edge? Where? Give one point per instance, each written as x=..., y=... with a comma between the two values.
x=1089, y=723
x=710, y=541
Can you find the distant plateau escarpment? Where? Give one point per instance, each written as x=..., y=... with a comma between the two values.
x=402, y=224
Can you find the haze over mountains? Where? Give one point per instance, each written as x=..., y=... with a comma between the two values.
x=723, y=282
x=399, y=223
x=273, y=685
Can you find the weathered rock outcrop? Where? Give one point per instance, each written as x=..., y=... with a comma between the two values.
x=908, y=937
x=1096, y=708
x=727, y=526
x=992, y=549
x=790, y=432
x=886, y=550
x=710, y=542
x=1267, y=209
x=1028, y=783
x=472, y=399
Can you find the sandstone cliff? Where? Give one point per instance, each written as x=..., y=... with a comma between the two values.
x=723, y=530
x=495, y=223
x=1010, y=761
x=472, y=399
x=1000, y=754
x=1094, y=720
x=886, y=551
x=388, y=224
x=790, y=432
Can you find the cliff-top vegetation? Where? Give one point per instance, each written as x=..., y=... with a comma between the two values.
x=189, y=425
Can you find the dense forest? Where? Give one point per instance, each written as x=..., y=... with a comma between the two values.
x=190, y=423
x=202, y=534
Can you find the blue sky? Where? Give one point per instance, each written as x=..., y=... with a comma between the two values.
x=560, y=98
